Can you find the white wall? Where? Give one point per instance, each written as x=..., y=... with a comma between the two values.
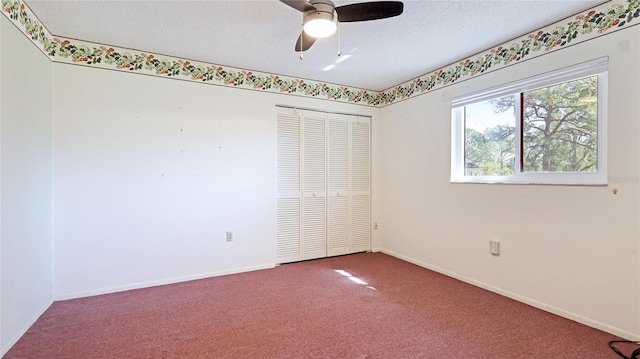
x=150, y=173
x=571, y=250
x=25, y=184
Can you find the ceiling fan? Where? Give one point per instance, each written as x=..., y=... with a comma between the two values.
x=320, y=17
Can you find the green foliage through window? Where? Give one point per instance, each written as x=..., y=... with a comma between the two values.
x=490, y=138
x=561, y=127
x=559, y=131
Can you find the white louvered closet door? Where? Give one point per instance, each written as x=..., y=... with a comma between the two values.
x=323, y=202
x=338, y=185
x=360, y=216
x=314, y=182
x=289, y=196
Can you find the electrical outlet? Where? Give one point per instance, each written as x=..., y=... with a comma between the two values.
x=494, y=248
x=375, y=225
x=229, y=236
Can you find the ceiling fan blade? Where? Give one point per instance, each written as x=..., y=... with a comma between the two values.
x=304, y=42
x=300, y=5
x=369, y=11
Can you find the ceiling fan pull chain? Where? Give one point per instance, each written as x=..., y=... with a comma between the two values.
x=301, y=57
x=339, y=52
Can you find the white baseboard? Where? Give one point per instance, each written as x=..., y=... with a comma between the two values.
x=534, y=303
x=17, y=335
x=155, y=283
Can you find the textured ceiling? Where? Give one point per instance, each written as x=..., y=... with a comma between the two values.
x=260, y=35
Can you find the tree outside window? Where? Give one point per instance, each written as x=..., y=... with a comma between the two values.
x=558, y=131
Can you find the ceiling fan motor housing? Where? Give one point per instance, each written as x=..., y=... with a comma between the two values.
x=320, y=22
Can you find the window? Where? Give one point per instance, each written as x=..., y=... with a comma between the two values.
x=549, y=129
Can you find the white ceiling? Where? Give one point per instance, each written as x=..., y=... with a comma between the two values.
x=260, y=35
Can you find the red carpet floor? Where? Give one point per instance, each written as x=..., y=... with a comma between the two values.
x=309, y=310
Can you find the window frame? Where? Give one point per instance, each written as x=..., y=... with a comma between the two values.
x=597, y=67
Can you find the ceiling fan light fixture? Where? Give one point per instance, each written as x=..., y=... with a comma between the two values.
x=321, y=22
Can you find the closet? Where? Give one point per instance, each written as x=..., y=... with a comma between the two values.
x=323, y=184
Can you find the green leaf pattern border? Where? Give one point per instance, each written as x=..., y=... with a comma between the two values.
x=602, y=19
x=605, y=18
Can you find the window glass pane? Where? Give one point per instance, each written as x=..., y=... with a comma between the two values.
x=490, y=137
x=560, y=127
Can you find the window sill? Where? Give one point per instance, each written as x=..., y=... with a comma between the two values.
x=593, y=181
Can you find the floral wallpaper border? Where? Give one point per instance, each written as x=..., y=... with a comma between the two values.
x=605, y=18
